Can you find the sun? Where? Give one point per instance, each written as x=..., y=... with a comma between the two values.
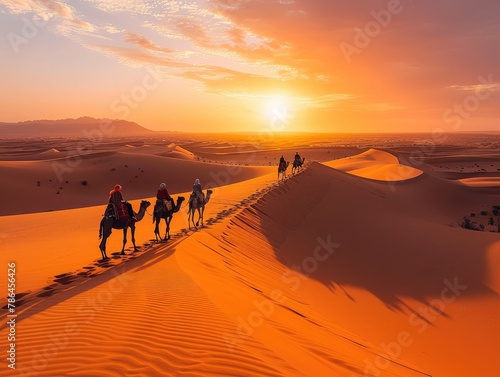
x=277, y=112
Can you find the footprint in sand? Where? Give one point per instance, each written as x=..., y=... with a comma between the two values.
x=106, y=265
x=65, y=280
x=18, y=302
x=62, y=275
x=46, y=293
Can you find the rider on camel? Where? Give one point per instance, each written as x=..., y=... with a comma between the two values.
x=198, y=191
x=297, y=158
x=116, y=198
x=282, y=161
x=163, y=195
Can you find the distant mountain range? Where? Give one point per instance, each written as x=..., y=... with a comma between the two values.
x=84, y=126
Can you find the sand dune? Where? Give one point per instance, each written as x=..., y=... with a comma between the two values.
x=375, y=164
x=176, y=151
x=179, y=326
x=372, y=269
x=325, y=274
x=282, y=287
x=481, y=182
x=69, y=182
x=51, y=151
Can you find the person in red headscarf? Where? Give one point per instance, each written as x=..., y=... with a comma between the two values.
x=116, y=197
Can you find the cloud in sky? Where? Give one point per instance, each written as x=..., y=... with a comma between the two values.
x=399, y=58
x=46, y=9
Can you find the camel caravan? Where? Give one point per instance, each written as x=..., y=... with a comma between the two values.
x=120, y=215
x=296, y=166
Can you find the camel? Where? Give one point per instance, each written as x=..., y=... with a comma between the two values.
x=195, y=205
x=160, y=212
x=282, y=169
x=297, y=164
x=110, y=222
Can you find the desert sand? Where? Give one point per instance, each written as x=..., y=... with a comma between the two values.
x=355, y=266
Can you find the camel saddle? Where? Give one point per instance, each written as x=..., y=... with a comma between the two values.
x=120, y=211
x=200, y=197
x=165, y=204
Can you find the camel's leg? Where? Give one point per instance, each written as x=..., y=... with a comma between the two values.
x=193, y=213
x=157, y=228
x=167, y=230
x=124, y=240
x=199, y=216
x=191, y=217
x=104, y=237
x=132, y=233
x=102, y=247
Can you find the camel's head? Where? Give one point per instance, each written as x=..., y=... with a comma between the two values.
x=209, y=192
x=180, y=199
x=145, y=203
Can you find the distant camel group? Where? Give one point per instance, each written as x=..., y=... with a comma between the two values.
x=110, y=221
x=283, y=166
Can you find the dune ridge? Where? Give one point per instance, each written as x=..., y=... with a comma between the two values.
x=375, y=164
x=265, y=241
x=481, y=181
x=66, y=182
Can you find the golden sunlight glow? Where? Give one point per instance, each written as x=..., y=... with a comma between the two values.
x=277, y=111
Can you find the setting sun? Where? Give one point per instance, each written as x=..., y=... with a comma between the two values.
x=181, y=67
x=277, y=112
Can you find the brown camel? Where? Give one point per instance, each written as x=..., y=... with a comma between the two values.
x=282, y=170
x=195, y=205
x=161, y=212
x=297, y=164
x=110, y=222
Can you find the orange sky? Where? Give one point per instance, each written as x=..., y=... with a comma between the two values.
x=254, y=65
